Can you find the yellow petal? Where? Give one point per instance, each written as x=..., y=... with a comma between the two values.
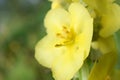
x=62, y=3
x=111, y=21
x=80, y=17
x=46, y=52
x=65, y=67
x=84, y=40
x=56, y=19
x=55, y=5
x=82, y=24
x=101, y=6
x=109, y=13
x=64, y=0
x=64, y=61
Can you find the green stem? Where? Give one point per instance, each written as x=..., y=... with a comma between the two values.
x=83, y=73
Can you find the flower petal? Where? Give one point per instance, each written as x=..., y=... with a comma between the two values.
x=56, y=19
x=109, y=12
x=111, y=21
x=80, y=17
x=84, y=41
x=101, y=6
x=83, y=26
x=71, y=61
x=65, y=67
x=46, y=52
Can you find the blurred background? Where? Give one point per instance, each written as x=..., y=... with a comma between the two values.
x=21, y=27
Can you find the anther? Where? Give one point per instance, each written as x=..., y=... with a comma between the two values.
x=58, y=45
x=65, y=30
x=60, y=35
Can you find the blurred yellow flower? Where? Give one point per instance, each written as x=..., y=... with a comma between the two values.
x=68, y=39
x=62, y=3
x=64, y=0
x=109, y=13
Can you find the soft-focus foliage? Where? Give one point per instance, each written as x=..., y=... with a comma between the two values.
x=108, y=11
x=21, y=26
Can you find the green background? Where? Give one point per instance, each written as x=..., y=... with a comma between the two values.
x=21, y=27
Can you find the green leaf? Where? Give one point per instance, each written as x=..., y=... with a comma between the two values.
x=117, y=1
x=83, y=73
x=117, y=38
x=115, y=75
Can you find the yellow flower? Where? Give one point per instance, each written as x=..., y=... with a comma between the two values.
x=109, y=13
x=64, y=0
x=100, y=6
x=62, y=3
x=68, y=39
x=110, y=21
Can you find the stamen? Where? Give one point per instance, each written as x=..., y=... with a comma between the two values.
x=66, y=30
x=60, y=35
x=66, y=35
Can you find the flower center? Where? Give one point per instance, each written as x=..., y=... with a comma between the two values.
x=66, y=35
